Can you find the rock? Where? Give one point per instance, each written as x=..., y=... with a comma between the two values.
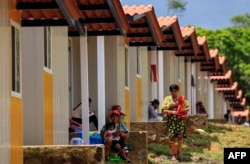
x=195, y=159
x=152, y=137
x=201, y=131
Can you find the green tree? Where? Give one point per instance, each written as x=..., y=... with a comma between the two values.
x=234, y=43
x=241, y=20
x=176, y=6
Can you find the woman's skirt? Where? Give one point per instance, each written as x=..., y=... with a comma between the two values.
x=175, y=126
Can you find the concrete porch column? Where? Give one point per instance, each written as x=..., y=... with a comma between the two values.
x=193, y=92
x=84, y=88
x=161, y=76
x=210, y=100
x=101, y=80
x=189, y=87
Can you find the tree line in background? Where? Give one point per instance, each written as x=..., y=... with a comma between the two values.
x=232, y=42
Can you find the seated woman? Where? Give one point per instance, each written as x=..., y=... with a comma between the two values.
x=123, y=117
x=76, y=115
x=200, y=109
x=120, y=132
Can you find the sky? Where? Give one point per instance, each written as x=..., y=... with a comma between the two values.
x=210, y=14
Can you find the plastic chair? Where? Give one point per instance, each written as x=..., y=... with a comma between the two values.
x=114, y=157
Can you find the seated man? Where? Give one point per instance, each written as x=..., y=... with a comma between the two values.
x=77, y=115
x=152, y=115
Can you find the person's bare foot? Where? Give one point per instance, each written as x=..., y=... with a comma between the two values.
x=173, y=158
x=127, y=160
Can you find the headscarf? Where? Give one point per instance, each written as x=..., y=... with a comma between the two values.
x=118, y=107
x=114, y=112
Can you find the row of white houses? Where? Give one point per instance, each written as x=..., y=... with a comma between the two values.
x=46, y=71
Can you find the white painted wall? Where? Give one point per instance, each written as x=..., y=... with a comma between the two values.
x=32, y=91
x=59, y=44
x=111, y=67
x=92, y=66
x=132, y=81
x=5, y=81
x=224, y=106
x=92, y=69
x=193, y=89
x=169, y=71
x=76, y=76
x=154, y=85
x=216, y=105
x=188, y=83
x=161, y=75
x=120, y=55
x=182, y=76
x=211, y=108
x=221, y=105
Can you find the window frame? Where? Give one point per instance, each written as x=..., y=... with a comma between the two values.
x=126, y=67
x=47, y=49
x=138, y=61
x=16, y=64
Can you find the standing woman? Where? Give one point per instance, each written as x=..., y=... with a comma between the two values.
x=176, y=108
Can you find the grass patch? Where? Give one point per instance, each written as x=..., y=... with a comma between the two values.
x=207, y=147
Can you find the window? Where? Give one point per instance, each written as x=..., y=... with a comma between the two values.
x=16, y=77
x=126, y=67
x=47, y=47
x=138, y=56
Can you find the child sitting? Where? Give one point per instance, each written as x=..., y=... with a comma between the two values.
x=109, y=130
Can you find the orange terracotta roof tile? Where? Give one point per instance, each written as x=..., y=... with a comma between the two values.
x=203, y=54
x=243, y=102
x=40, y=10
x=239, y=96
x=144, y=27
x=33, y=1
x=213, y=53
x=167, y=21
x=222, y=59
x=73, y=9
x=136, y=10
x=238, y=104
x=233, y=87
x=172, y=34
x=234, y=97
x=222, y=68
x=190, y=47
x=228, y=75
x=212, y=64
x=187, y=31
x=101, y=17
x=202, y=41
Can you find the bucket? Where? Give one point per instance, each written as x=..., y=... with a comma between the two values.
x=76, y=141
